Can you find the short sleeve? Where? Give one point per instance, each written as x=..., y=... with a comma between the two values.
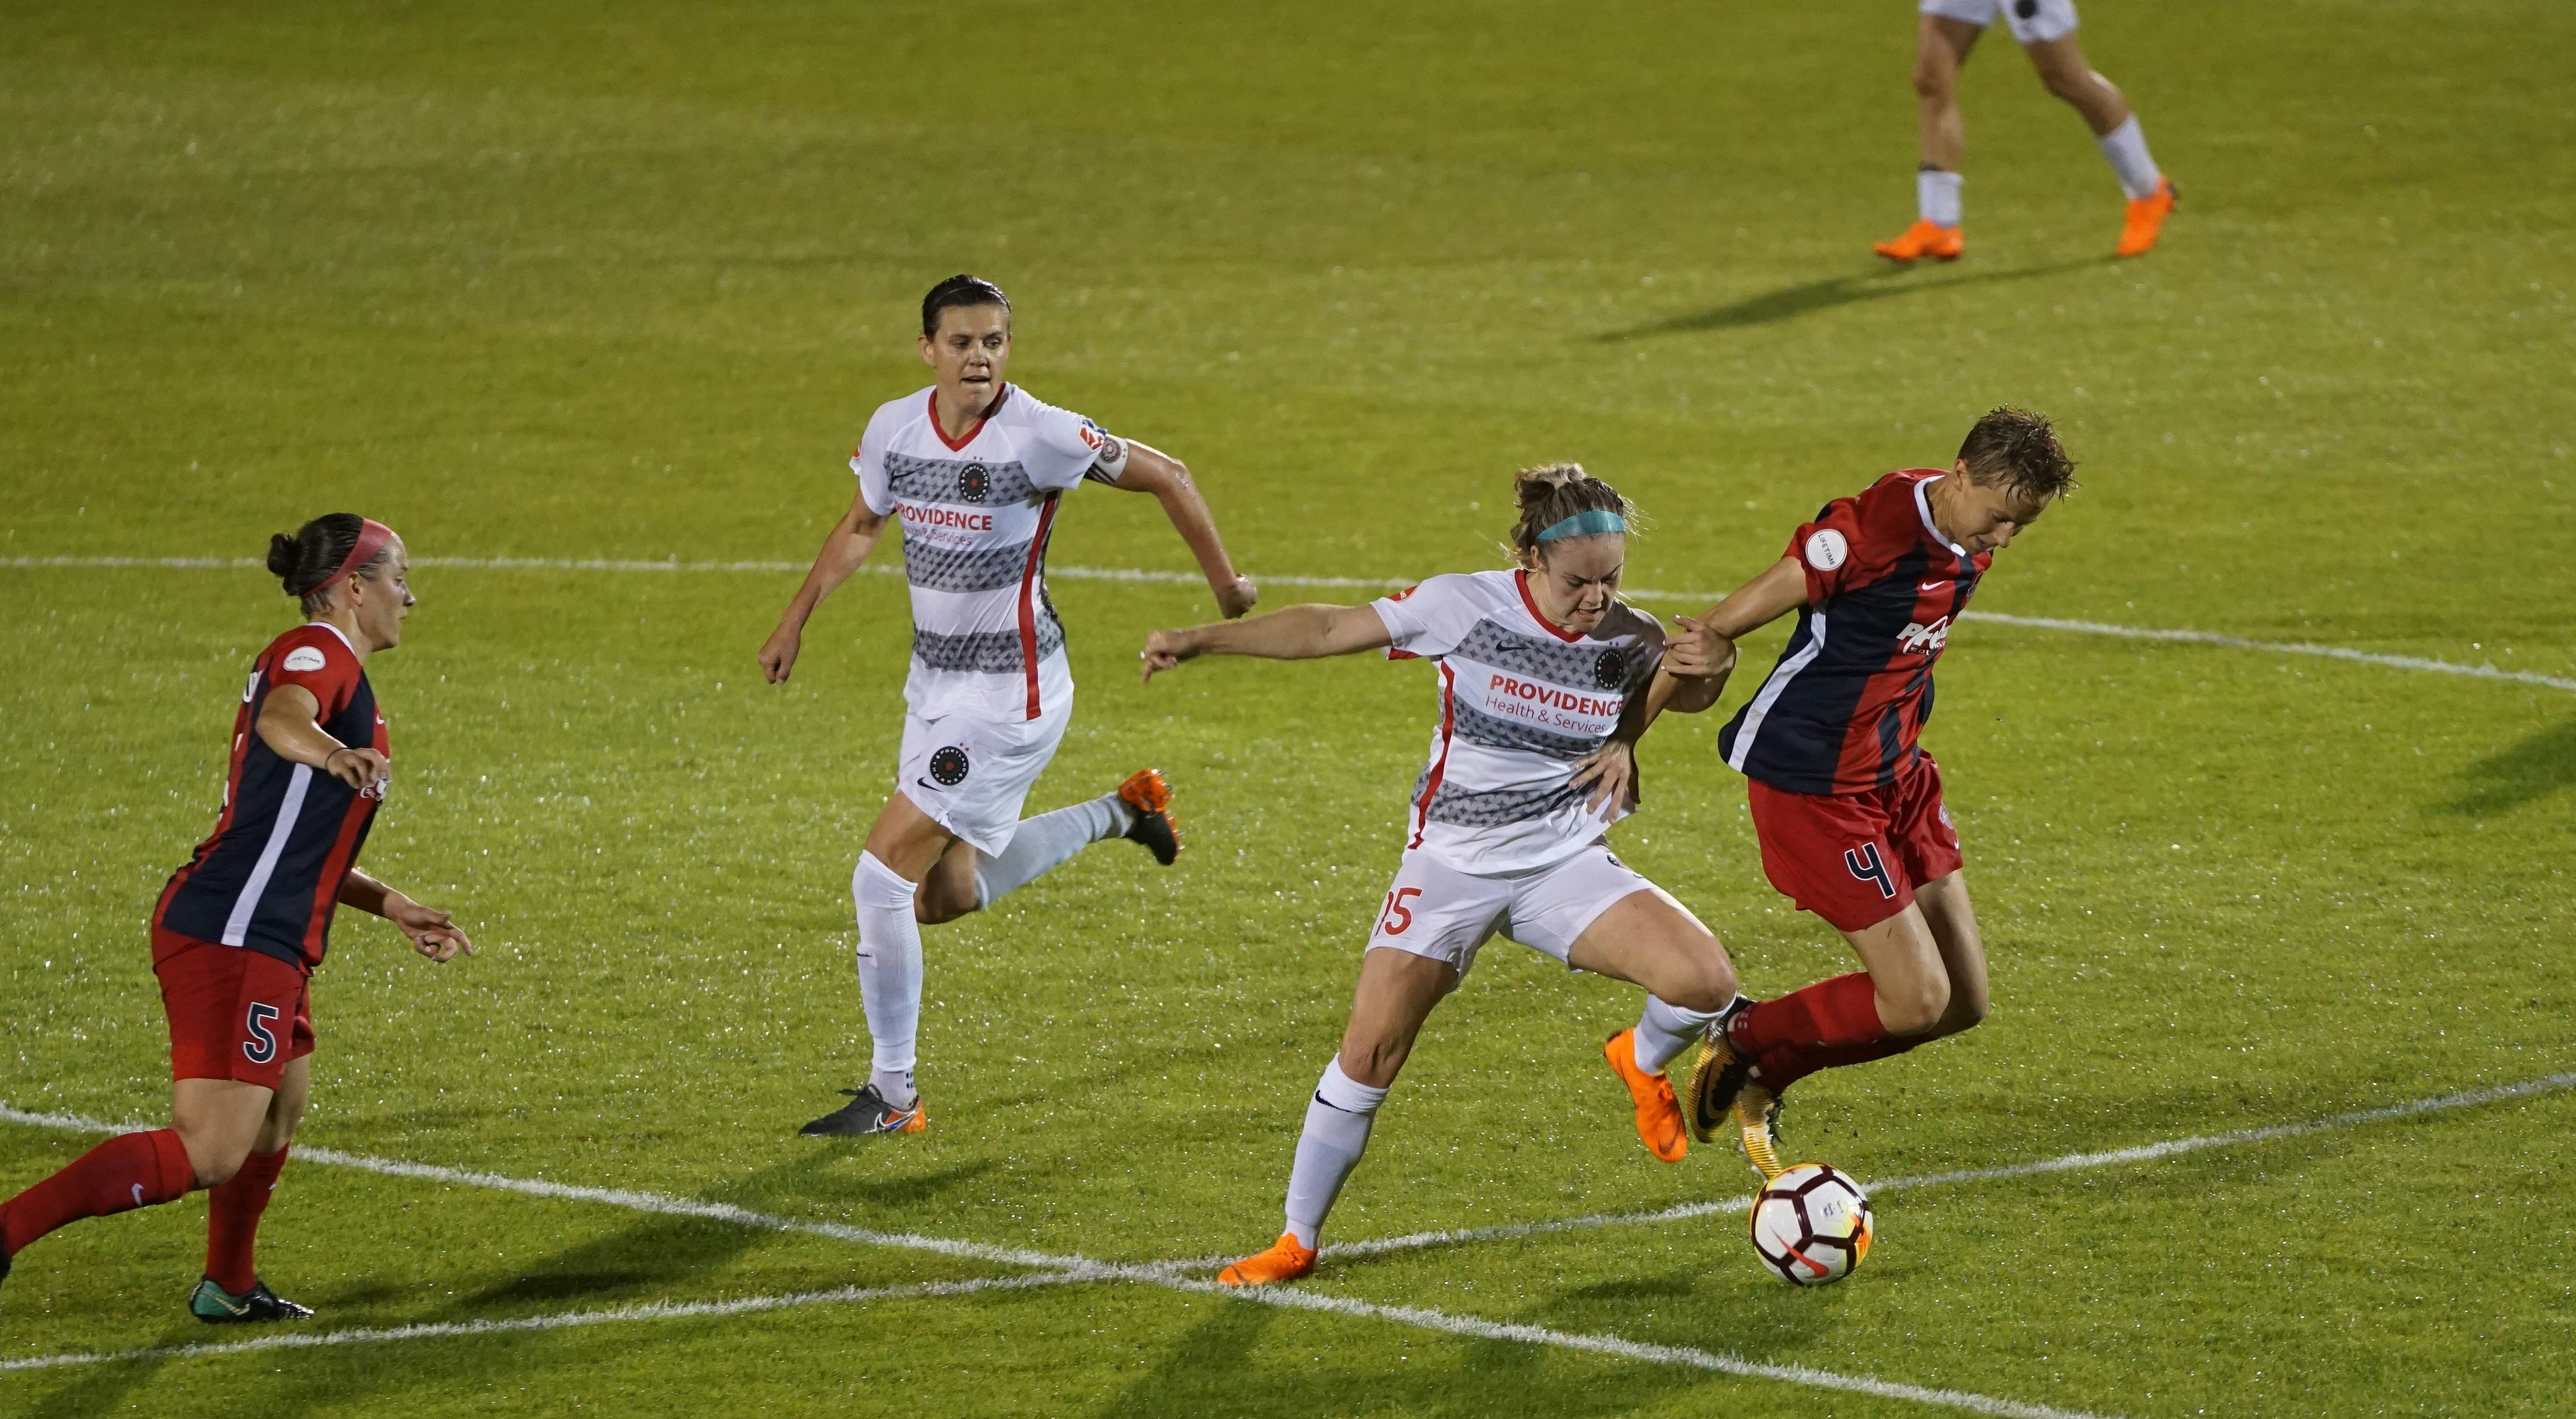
x=1827, y=548
x=1427, y=620
x=1066, y=448
x=868, y=461
x=315, y=659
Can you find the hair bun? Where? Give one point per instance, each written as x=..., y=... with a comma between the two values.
x=283, y=559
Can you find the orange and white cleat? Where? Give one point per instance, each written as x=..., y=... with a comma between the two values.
x=1921, y=240
x=2146, y=220
x=1151, y=798
x=1285, y=1261
x=1659, y=1114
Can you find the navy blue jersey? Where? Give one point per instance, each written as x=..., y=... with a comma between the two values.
x=270, y=875
x=1842, y=711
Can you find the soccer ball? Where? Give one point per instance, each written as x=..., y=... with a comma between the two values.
x=1811, y=1225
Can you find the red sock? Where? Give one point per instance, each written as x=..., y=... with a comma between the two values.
x=128, y=1171
x=1838, y=1012
x=232, y=1221
x=1782, y=1067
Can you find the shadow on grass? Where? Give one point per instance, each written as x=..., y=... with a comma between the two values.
x=1806, y=298
x=2537, y=767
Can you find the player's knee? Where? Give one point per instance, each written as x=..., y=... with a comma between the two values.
x=2075, y=86
x=1934, y=80
x=1966, y=1012
x=1708, y=985
x=1913, y=1007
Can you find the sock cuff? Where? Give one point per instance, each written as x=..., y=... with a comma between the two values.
x=172, y=1171
x=1343, y=1092
x=876, y=885
x=2129, y=128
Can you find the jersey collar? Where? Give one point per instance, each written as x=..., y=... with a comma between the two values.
x=335, y=630
x=972, y=429
x=1520, y=580
x=1923, y=507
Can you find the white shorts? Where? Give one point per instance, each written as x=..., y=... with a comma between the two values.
x=2032, y=21
x=972, y=774
x=1435, y=910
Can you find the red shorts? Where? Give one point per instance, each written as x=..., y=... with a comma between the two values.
x=234, y=1013
x=1856, y=858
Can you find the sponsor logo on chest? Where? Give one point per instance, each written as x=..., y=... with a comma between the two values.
x=1508, y=696
x=936, y=517
x=1920, y=639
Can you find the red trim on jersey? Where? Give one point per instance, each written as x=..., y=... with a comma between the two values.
x=972, y=430
x=1440, y=765
x=1029, y=600
x=1520, y=579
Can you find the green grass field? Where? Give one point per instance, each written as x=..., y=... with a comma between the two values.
x=550, y=282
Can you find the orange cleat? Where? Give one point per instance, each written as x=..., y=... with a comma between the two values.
x=1921, y=240
x=1285, y=1261
x=1155, y=827
x=2146, y=219
x=1659, y=1114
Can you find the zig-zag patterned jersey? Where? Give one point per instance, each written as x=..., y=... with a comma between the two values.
x=976, y=514
x=1520, y=701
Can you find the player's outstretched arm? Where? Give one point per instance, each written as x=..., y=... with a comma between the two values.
x=290, y=724
x=1298, y=633
x=845, y=549
x=433, y=933
x=1150, y=470
x=1699, y=654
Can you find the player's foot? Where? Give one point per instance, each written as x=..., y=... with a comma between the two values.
x=1757, y=1128
x=1285, y=1261
x=2146, y=219
x=1924, y=239
x=1151, y=798
x=216, y=1306
x=1715, y=1080
x=1659, y=1114
x=868, y=1113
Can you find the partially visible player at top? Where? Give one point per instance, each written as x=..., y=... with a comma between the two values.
x=975, y=468
x=239, y=930
x=1537, y=667
x=1944, y=33
x=1845, y=801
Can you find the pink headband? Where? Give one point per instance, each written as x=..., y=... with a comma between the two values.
x=372, y=537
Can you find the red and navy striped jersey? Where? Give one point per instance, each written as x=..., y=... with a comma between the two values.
x=1842, y=710
x=270, y=875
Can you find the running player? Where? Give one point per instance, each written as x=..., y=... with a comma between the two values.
x=1944, y=33
x=1845, y=802
x=976, y=467
x=238, y=931
x=1537, y=668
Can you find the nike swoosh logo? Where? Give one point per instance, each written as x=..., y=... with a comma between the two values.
x=1932, y=586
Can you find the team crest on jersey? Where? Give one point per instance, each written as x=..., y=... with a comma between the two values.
x=948, y=766
x=1922, y=639
x=974, y=483
x=1610, y=670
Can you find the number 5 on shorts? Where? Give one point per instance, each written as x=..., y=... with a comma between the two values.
x=1395, y=921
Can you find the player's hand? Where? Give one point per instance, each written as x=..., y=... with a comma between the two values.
x=1165, y=649
x=778, y=655
x=433, y=933
x=1611, y=772
x=1696, y=652
x=1235, y=599
x=362, y=769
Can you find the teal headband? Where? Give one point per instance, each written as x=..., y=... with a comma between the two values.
x=1594, y=523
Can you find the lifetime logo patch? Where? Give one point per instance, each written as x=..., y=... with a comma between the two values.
x=948, y=766
x=974, y=483
x=1827, y=549
x=304, y=657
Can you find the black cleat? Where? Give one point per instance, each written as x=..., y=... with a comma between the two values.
x=216, y=1306
x=1715, y=1080
x=867, y=1114
x=1150, y=799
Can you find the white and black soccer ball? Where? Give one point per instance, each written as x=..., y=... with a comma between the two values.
x=1812, y=1225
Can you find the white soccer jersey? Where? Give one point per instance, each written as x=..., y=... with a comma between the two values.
x=976, y=514
x=1520, y=701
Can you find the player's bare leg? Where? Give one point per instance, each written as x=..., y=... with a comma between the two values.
x=237, y=1135
x=1396, y=993
x=2062, y=68
x=1648, y=939
x=1941, y=46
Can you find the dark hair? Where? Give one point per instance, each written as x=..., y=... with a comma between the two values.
x=2020, y=449
x=1553, y=492
x=307, y=559
x=961, y=291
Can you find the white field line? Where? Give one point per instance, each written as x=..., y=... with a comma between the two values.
x=1139, y=574
x=650, y=1310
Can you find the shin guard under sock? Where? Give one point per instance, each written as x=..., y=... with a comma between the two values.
x=1336, y=1133
x=232, y=1221
x=128, y=1171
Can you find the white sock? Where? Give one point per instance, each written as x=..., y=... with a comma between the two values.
x=894, y=1086
x=1936, y=196
x=1665, y=1030
x=2126, y=149
x=1337, y=1130
x=889, y=970
x=1042, y=844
